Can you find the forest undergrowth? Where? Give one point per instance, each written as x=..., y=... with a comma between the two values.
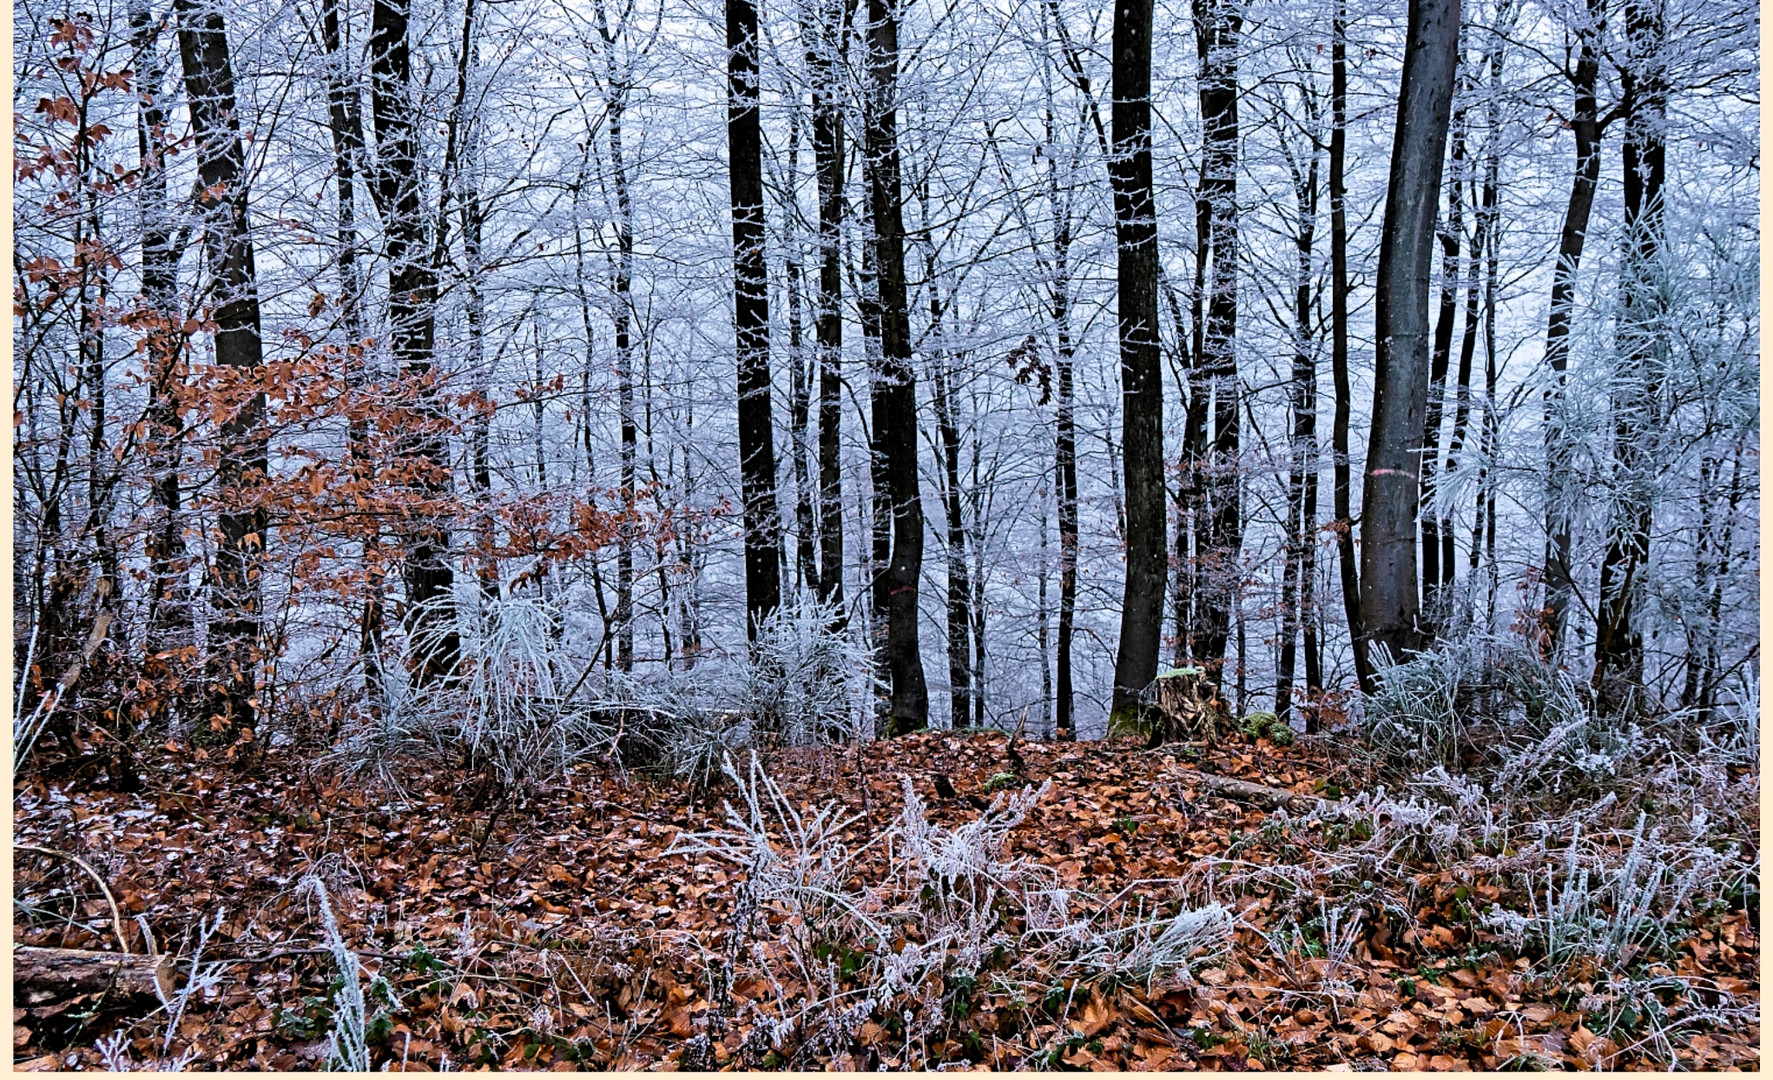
x=1584, y=898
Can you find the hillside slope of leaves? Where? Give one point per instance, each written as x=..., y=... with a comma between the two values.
x=586, y=931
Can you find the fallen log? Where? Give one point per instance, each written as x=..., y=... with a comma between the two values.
x=44, y=975
x=1269, y=798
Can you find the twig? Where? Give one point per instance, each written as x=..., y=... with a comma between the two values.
x=116, y=914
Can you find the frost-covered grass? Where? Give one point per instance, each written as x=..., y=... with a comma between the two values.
x=908, y=926
x=529, y=701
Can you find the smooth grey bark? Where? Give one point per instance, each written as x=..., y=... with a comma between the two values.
x=1390, y=606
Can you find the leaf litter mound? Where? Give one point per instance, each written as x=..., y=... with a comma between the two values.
x=597, y=924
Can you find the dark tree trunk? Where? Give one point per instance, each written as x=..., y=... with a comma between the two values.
x=1342, y=481
x=412, y=312
x=1390, y=606
x=221, y=166
x=1141, y=369
x=1190, y=498
x=1637, y=393
x=757, y=453
x=806, y=559
x=880, y=504
x=896, y=387
x=1586, y=122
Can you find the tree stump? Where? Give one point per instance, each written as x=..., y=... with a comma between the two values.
x=1185, y=706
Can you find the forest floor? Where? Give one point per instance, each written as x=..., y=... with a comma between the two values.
x=573, y=936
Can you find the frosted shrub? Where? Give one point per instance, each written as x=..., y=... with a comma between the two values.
x=806, y=873
x=803, y=679
x=1413, y=719
x=528, y=700
x=513, y=708
x=967, y=859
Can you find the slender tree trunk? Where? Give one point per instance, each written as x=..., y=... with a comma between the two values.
x=1484, y=529
x=1217, y=26
x=1483, y=246
x=880, y=503
x=757, y=453
x=1342, y=481
x=806, y=563
x=1637, y=408
x=828, y=53
x=616, y=88
x=1452, y=235
x=1296, y=583
x=1141, y=368
x=975, y=496
x=1390, y=606
x=1190, y=499
x=221, y=166
x=473, y=222
x=1043, y=635
x=412, y=313
x=896, y=388
x=1486, y=213
x=960, y=588
x=170, y=623
x=1065, y=437
x=1560, y=494
x=345, y=120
